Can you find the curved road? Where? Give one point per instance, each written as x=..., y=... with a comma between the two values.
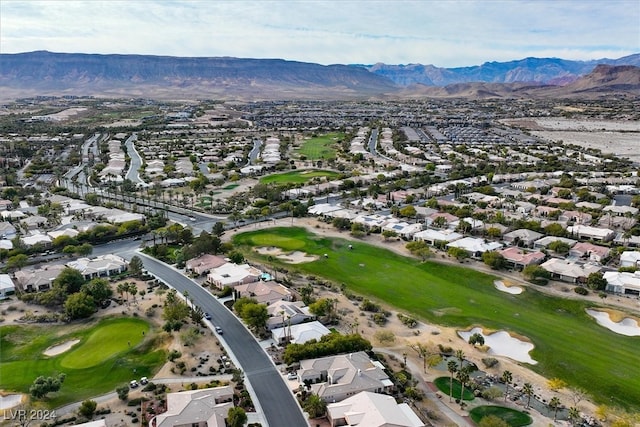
x=275, y=399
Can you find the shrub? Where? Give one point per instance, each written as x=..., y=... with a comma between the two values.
x=490, y=362
x=580, y=290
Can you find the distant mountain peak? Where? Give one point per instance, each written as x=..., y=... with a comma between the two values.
x=529, y=70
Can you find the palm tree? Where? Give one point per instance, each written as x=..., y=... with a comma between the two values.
x=463, y=377
x=574, y=415
x=460, y=356
x=554, y=404
x=452, y=368
x=506, y=377
x=527, y=389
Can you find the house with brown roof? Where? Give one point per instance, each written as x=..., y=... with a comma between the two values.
x=589, y=251
x=204, y=264
x=518, y=258
x=265, y=292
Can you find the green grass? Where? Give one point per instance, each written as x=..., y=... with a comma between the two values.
x=444, y=385
x=510, y=416
x=100, y=362
x=321, y=147
x=568, y=342
x=298, y=176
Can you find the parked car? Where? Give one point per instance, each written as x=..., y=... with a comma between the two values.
x=133, y=384
x=144, y=381
x=292, y=376
x=207, y=316
x=218, y=330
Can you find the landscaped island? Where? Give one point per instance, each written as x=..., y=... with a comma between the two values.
x=568, y=342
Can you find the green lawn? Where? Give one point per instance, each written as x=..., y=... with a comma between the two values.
x=100, y=362
x=568, y=342
x=298, y=176
x=321, y=147
x=510, y=416
x=444, y=385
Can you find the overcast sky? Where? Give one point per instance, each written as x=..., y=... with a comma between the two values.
x=444, y=33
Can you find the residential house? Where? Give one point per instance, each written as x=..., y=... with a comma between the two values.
x=475, y=246
x=586, y=232
x=629, y=259
x=367, y=409
x=334, y=378
x=283, y=313
x=300, y=333
x=12, y=215
x=5, y=204
x=437, y=236
x=265, y=292
x=544, y=242
x=231, y=274
x=7, y=287
x=7, y=230
x=69, y=232
x=36, y=239
x=621, y=210
x=33, y=222
x=610, y=220
x=522, y=237
x=434, y=220
x=204, y=264
x=403, y=229
x=576, y=217
x=518, y=259
x=623, y=283
x=589, y=251
x=36, y=280
x=569, y=271
x=196, y=408
x=101, y=266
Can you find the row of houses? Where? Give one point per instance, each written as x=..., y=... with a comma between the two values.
x=520, y=247
x=41, y=279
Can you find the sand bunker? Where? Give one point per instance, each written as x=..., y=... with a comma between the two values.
x=502, y=344
x=514, y=290
x=60, y=348
x=9, y=401
x=296, y=257
x=626, y=326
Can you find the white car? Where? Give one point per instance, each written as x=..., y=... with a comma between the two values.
x=133, y=384
x=218, y=330
x=144, y=380
x=292, y=376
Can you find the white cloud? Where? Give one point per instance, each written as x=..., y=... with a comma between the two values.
x=444, y=33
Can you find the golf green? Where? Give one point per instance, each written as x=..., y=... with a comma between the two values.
x=569, y=344
x=104, y=343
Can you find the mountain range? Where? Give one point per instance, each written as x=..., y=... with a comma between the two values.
x=553, y=71
x=166, y=77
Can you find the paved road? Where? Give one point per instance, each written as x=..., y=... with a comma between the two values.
x=273, y=396
x=253, y=155
x=373, y=141
x=133, y=174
